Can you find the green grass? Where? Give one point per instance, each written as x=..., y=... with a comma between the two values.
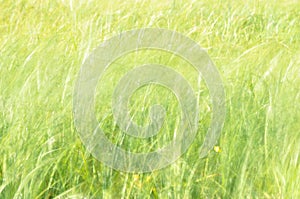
x=255, y=46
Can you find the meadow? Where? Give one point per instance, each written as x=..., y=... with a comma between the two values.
x=254, y=44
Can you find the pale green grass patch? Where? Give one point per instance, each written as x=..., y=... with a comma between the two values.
x=254, y=44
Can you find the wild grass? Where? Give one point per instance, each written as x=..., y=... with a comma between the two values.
x=255, y=46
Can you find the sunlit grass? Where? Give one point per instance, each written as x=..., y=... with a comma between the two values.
x=254, y=44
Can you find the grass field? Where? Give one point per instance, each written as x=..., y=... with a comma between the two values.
x=255, y=46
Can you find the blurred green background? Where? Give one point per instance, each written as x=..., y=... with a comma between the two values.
x=255, y=46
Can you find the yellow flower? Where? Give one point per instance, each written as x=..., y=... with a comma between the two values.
x=148, y=178
x=136, y=177
x=137, y=182
x=217, y=149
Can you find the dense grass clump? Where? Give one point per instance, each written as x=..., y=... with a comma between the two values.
x=255, y=46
